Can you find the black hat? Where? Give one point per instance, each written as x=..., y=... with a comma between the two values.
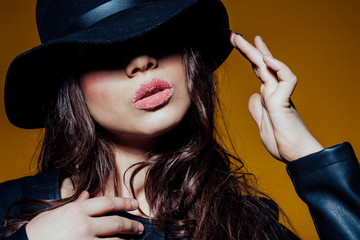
x=64, y=25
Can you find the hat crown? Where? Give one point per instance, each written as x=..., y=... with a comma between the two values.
x=59, y=18
x=53, y=17
x=34, y=76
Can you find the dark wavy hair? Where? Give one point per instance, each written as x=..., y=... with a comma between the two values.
x=194, y=186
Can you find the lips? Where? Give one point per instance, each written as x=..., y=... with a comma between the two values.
x=153, y=94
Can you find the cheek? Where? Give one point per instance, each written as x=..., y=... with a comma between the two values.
x=179, y=74
x=175, y=69
x=175, y=63
x=93, y=86
x=96, y=88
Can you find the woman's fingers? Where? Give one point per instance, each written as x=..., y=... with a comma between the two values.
x=102, y=205
x=287, y=79
x=253, y=53
x=249, y=51
x=261, y=46
x=111, y=225
x=83, y=219
x=255, y=57
x=275, y=75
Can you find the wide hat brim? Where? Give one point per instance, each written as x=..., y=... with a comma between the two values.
x=34, y=76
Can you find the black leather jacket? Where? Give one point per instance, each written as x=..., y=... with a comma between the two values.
x=328, y=181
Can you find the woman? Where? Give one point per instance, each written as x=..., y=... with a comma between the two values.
x=142, y=125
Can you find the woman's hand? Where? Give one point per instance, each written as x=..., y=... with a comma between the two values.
x=282, y=131
x=83, y=219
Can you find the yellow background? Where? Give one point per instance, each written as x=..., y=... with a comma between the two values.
x=319, y=40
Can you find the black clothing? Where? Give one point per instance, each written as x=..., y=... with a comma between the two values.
x=328, y=181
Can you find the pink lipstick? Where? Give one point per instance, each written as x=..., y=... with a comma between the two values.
x=152, y=94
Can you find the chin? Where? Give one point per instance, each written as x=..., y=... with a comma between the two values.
x=147, y=124
x=160, y=126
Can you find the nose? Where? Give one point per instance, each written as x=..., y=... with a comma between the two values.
x=141, y=63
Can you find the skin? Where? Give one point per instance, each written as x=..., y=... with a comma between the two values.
x=108, y=94
x=282, y=132
x=80, y=219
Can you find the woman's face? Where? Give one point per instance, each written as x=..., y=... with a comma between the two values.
x=142, y=96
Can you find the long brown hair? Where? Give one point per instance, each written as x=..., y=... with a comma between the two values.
x=194, y=186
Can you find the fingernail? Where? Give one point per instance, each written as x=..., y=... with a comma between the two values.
x=141, y=228
x=232, y=38
x=134, y=203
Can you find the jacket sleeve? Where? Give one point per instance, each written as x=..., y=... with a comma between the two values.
x=329, y=183
x=10, y=192
x=44, y=185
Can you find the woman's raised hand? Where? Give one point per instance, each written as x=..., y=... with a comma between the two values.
x=282, y=131
x=84, y=220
